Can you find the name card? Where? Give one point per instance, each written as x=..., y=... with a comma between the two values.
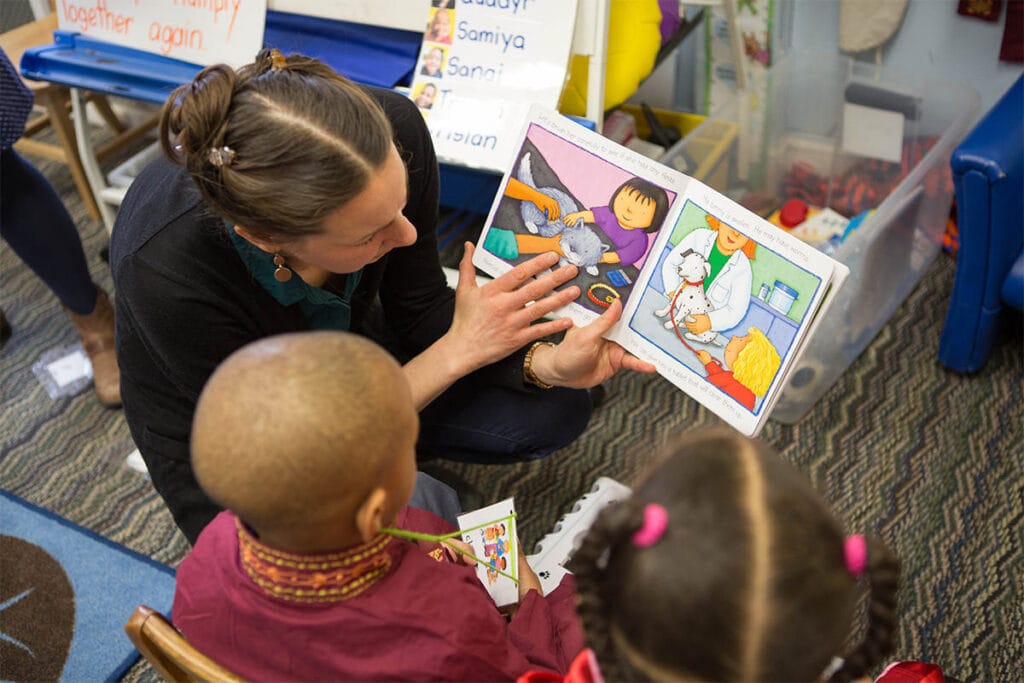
x=482, y=64
x=197, y=31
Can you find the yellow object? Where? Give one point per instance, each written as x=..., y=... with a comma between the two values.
x=634, y=38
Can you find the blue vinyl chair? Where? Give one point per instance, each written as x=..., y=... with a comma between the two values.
x=988, y=291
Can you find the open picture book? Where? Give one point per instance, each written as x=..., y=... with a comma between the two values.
x=721, y=301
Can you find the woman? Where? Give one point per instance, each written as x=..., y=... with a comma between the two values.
x=305, y=202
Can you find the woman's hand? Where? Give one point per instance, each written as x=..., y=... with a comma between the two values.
x=493, y=320
x=584, y=358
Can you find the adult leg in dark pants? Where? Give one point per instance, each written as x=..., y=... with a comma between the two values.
x=37, y=226
x=472, y=422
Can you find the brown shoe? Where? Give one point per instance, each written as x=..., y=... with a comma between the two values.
x=97, y=332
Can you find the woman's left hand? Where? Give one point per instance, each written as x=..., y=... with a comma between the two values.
x=584, y=358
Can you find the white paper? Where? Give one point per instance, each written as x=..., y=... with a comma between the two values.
x=874, y=133
x=496, y=59
x=69, y=368
x=554, y=550
x=198, y=31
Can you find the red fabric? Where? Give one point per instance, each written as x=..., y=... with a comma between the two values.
x=424, y=620
x=1012, y=49
x=911, y=672
x=584, y=669
x=867, y=182
x=724, y=380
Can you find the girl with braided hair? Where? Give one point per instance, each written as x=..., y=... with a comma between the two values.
x=725, y=565
x=291, y=199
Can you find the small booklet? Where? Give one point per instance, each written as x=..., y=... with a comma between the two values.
x=721, y=301
x=491, y=532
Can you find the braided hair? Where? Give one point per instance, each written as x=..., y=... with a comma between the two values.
x=278, y=144
x=747, y=582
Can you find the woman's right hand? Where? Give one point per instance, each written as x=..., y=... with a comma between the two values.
x=493, y=320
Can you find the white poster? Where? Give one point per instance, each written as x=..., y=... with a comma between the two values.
x=482, y=64
x=198, y=31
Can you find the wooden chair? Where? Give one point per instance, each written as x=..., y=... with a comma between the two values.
x=166, y=649
x=55, y=100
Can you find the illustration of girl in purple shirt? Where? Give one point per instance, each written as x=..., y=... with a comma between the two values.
x=636, y=208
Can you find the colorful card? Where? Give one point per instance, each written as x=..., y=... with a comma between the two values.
x=491, y=532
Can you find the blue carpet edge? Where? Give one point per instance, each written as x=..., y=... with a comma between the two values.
x=160, y=566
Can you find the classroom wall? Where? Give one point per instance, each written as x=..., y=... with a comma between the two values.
x=933, y=41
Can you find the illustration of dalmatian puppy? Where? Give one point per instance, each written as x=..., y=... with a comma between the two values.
x=689, y=297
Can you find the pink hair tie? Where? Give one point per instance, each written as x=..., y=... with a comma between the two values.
x=655, y=521
x=856, y=551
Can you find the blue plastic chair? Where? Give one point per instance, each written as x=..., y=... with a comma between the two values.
x=988, y=291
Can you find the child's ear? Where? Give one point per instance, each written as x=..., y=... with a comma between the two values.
x=370, y=515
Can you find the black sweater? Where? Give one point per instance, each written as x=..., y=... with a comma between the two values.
x=185, y=301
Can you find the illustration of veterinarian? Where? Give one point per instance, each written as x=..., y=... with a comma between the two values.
x=728, y=286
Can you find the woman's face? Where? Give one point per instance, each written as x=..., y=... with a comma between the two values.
x=365, y=228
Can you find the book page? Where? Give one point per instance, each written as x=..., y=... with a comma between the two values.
x=726, y=303
x=565, y=191
x=491, y=531
x=716, y=297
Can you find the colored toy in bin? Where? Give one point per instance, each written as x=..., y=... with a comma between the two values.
x=793, y=213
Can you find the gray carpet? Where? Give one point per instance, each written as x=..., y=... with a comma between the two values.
x=930, y=460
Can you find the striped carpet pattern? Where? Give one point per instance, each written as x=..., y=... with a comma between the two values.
x=929, y=460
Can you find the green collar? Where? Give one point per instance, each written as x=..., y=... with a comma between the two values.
x=323, y=310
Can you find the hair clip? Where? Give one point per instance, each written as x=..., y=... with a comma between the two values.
x=221, y=156
x=277, y=60
x=855, y=549
x=655, y=521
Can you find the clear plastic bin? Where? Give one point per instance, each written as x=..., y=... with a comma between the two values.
x=802, y=154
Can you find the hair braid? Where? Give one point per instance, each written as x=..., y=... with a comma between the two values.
x=883, y=572
x=589, y=565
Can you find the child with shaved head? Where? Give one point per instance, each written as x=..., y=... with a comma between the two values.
x=294, y=580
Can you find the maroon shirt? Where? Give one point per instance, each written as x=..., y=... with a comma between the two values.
x=424, y=619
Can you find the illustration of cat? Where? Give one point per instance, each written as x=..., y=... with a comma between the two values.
x=580, y=244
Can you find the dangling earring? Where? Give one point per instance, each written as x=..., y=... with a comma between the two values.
x=282, y=273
